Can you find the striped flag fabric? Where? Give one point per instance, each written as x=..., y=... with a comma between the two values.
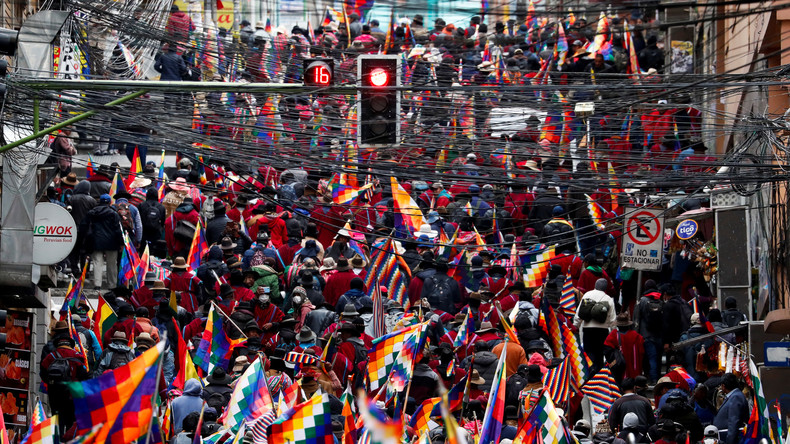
x=74, y=294
x=595, y=210
x=549, y=323
x=89, y=437
x=89, y=169
x=761, y=428
x=38, y=416
x=464, y=331
x=568, y=297
x=307, y=423
x=135, y=168
x=121, y=399
x=130, y=261
x=390, y=270
x=103, y=318
x=539, y=268
x=602, y=391
x=383, y=355
x=143, y=266
x=430, y=407
x=511, y=334
x=117, y=186
x=378, y=312
x=301, y=358
x=250, y=398
x=406, y=207
x=579, y=363
x=381, y=428
x=557, y=382
x=344, y=194
x=198, y=246
x=186, y=368
x=494, y=417
x=215, y=346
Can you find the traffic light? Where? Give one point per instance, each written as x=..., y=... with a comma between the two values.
x=379, y=101
x=319, y=72
x=9, y=40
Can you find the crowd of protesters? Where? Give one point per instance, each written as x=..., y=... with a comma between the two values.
x=287, y=264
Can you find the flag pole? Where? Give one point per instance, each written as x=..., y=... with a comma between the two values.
x=154, y=412
x=216, y=307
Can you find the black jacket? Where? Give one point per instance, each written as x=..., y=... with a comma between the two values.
x=153, y=206
x=677, y=319
x=215, y=227
x=171, y=66
x=101, y=230
x=485, y=364
x=81, y=201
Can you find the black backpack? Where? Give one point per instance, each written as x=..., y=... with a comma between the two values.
x=654, y=316
x=118, y=360
x=732, y=317
x=60, y=369
x=442, y=293
x=150, y=218
x=585, y=309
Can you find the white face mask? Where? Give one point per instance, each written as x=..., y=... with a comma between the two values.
x=263, y=299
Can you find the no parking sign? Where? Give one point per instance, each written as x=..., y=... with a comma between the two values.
x=643, y=239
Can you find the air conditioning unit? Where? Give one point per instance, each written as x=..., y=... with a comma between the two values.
x=726, y=197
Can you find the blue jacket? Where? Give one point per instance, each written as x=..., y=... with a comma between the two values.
x=732, y=415
x=190, y=401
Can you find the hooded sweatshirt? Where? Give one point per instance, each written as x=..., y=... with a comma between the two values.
x=190, y=401
x=81, y=201
x=187, y=212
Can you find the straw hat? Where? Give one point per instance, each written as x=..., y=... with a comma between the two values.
x=70, y=180
x=180, y=184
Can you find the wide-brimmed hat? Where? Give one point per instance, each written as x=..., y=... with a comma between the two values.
x=358, y=261
x=219, y=377
x=119, y=336
x=226, y=290
x=240, y=363
x=485, y=326
x=347, y=327
x=531, y=165
x=432, y=217
x=459, y=319
x=581, y=52
x=180, y=184
x=60, y=326
x=475, y=378
x=122, y=195
x=485, y=67
x=227, y=243
x=426, y=230
x=159, y=285
x=306, y=335
x=144, y=339
x=342, y=264
x=663, y=382
x=71, y=180
x=253, y=326
x=241, y=200
x=623, y=320
x=140, y=182
x=343, y=232
x=179, y=264
x=329, y=264
x=349, y=311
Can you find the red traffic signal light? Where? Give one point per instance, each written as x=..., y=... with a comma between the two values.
x=319, y=72
x=378, y=100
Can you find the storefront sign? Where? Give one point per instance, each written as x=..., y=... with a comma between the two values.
x=54, y=234
x=687, y=229
x=643, y=243
x=15, y=372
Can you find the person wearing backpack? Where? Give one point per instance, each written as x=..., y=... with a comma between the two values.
x=180, y=228
x=442, y=291
x=594, y=316
x=217, y=392
x=649, y=322
x=353, y=348
x=677, y=316
x=102, y=238
x=152, y=215
x=63, y=364
x=731, y=315
x=355, y=295
x=130, y=217
x=88, y=339
x=116, y=355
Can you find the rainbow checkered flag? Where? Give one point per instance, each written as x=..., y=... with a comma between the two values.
x=602, y=391
x=595, y=210
x=494, y=417
x=381, y=428
x=383, y=355
x=539, y=268
x=250, y=398
x=45, y=432
x=121, y=399
x=403, y=367
x=545, y=417
x=578, y=362
x=215, y=348
x=307, y=423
